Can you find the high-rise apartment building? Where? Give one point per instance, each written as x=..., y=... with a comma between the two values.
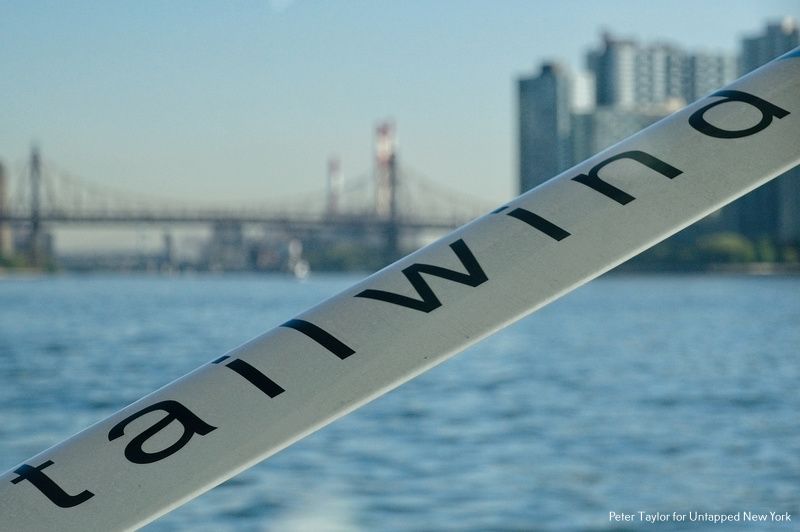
x=660, y=73
x=614, y=69
x=631, y=75
x=6, y=239
x=594, y=131
x=778, y=37
x=544, y=125
x=631, y=86
x=773, y=210
x=635, y=85
x=706, y=72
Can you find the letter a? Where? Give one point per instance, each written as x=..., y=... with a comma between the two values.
x=768, y=110
x=176, y=412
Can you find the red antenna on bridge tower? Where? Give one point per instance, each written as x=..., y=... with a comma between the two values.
x=385, y=171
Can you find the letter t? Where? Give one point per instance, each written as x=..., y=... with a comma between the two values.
x=48, y=487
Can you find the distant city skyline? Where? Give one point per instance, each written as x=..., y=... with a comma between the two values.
x=632, y=85
x=567, y=116
x=212, y=102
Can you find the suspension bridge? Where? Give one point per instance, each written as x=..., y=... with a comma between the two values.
x=391, y=204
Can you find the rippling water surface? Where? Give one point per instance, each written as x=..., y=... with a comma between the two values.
x=672, y=393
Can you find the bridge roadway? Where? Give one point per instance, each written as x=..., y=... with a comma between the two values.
x=299, y=221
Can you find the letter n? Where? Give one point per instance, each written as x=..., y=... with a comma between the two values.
x=428, y=300
x=593, y=181
x=768, y=111
x=175, y=412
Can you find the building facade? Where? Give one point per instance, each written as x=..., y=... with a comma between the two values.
x=633, y=86
x=630, y=75
x=772, y=211
x=630, y=86
x=6, y=238
x=545, y=146
x=776, y=39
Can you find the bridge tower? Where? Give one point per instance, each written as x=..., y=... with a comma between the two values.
x=35, y=237
x=335, y=183
x=386, y=188
x=6, y=241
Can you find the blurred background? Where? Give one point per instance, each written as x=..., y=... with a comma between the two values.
x=288, y=136
x=176, y=178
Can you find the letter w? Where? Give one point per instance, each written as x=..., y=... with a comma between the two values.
x=428, y=300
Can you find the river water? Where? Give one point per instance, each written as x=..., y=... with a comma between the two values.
x=634, y=393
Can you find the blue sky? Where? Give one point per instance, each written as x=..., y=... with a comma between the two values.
x=231, y=101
